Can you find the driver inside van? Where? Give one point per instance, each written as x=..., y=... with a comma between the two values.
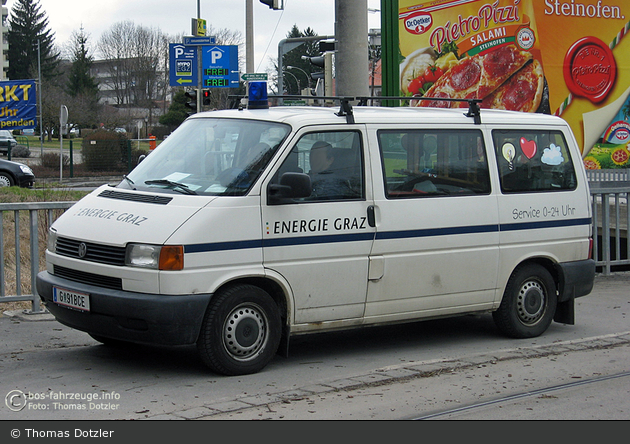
x=325, y=182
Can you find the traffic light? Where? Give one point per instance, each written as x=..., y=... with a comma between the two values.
x=274, y=4
x=192, y=101
x=318, y=61
x=206, y=97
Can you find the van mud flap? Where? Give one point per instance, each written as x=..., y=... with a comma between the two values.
x=565, y=312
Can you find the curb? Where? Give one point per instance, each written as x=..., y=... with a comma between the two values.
x=29, y=316
x=395, y=374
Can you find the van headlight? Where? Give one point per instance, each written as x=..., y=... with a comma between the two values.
x=156, y=257
x=52, y=240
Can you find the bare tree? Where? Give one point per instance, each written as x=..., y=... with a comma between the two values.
x=117, y=49
x=136, y=59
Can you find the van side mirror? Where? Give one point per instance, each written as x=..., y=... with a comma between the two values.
x=291, y=186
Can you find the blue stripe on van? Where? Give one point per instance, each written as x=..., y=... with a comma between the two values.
x=223, y=246
x=430, y=232
x=405, y=234
x=545, y=224
x=309, y=240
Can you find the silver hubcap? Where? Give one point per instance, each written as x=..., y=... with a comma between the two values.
x=245, y=332
x=531, y=302
x=4, y=181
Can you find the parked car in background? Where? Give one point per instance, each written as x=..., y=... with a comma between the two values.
x=15, y=173
x=6, y=140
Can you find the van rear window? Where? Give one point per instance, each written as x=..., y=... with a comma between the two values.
x=533, y=161
x=425, y=163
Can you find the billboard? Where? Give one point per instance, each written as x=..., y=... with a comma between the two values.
x=570, y=58
x=18, y=104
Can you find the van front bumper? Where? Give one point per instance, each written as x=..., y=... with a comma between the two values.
x=128, y=316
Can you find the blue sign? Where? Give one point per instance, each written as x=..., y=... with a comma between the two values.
x=18, y=104
x=182, y=64
x=199, y=41
x=220, y=67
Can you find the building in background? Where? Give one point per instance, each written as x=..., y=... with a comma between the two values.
x=4, y=45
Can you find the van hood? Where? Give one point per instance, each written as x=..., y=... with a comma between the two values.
x=116, y=217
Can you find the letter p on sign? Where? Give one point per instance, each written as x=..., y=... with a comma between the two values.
x=216, y=55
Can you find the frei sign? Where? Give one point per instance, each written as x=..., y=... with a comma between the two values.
x=219, y=63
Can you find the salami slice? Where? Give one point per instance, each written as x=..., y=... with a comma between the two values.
x=478, y=76
x=521, y=92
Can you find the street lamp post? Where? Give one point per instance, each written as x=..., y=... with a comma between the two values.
x=308, y=78
x=296, y=80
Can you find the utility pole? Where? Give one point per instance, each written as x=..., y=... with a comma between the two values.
x=351, y=57
x=249, y=36
x=199, y=67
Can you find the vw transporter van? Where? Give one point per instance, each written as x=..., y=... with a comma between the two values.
x=248, y=226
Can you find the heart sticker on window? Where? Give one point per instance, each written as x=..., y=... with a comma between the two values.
x=528, y=147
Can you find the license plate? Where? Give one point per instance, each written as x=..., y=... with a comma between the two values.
x=72, y=299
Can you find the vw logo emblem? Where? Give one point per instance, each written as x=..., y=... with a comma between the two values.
x=82, y=250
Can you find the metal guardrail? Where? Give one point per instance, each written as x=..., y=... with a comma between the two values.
x=611, y=213
x=608, y=175
x=19, y=218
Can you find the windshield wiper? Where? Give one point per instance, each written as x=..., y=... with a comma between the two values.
x=131, y=182
x=173, y=185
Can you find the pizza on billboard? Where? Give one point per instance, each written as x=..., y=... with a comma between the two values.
x=488, y=53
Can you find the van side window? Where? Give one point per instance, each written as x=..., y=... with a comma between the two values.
x=531, y=161
x=333, y=160
x=423, y=163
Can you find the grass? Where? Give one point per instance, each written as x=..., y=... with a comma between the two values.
x=35, y=144
x=15, y=195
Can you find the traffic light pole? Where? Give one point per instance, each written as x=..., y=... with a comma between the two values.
x=199, y=76
x=287, y=45
x=351, y=58
x=199, y=63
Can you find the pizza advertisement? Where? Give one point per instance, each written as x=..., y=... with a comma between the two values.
x=563, y=57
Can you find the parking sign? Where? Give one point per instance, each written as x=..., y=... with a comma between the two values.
x=220, y=66
x=183, y=65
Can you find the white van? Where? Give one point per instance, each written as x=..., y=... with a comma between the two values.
x=248, y=226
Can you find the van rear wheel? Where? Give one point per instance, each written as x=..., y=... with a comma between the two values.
x=240, y=332
x=528, y=304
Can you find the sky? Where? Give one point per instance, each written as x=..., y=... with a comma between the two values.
x=173, y=17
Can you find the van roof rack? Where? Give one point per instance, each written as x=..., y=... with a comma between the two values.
x=344, y=102
x=474, y=110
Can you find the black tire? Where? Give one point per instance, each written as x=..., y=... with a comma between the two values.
x=240, y=332
x=528, y=304
x=6, y=180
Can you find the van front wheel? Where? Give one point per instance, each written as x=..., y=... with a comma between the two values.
x=240, y=332
x=528, y=304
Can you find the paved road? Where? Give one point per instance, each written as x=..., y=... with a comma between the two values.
x=408, y=371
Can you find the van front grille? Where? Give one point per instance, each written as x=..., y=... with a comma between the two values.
x=103, y=254
x=88, y=278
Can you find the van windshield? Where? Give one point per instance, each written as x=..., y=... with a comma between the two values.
x=210, y=156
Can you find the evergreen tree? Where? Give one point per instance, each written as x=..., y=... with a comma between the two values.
x=80, y=82
x=177, y=112
x=28, y=25
x=80, y=86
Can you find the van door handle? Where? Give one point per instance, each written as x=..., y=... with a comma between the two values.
x=371, y=216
